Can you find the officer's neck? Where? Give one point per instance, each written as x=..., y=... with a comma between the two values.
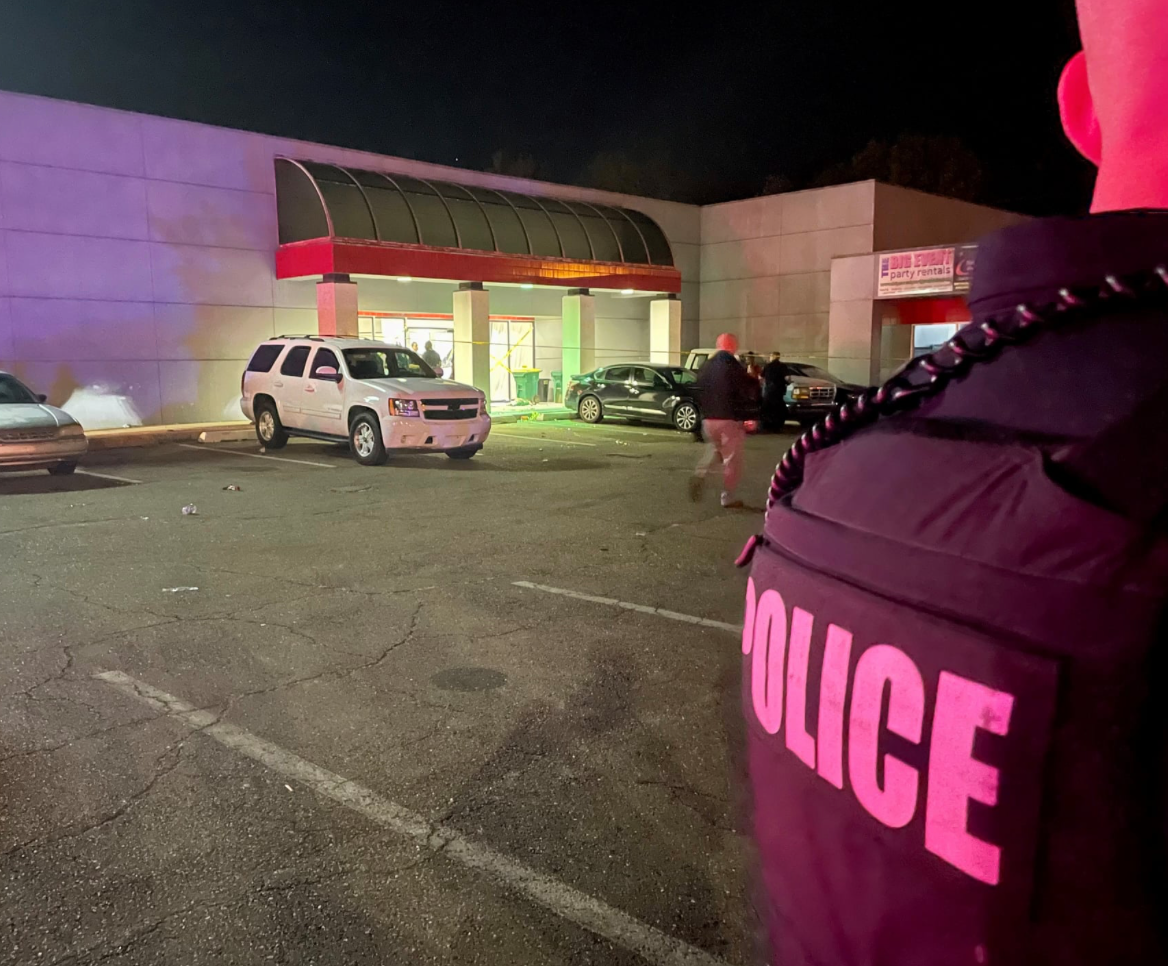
x=1136, y=181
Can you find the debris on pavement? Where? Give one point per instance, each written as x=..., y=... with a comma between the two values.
x=352, y=489
x=190, y=510
x=179, y=590
x=233, y=487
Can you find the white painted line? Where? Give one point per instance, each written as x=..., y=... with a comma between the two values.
x=106, y=476
x=612, y=924
x=670, y=615
x=540, y=439
x=256, y=456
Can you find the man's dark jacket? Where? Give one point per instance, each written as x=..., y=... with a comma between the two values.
x=725, y=389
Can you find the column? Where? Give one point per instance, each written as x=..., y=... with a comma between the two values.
x=336, y=306
x=665, y=331
x=472, y=336
x=579, y=333
x=854, y=320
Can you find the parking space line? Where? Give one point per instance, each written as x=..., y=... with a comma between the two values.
x=542, y=439
x=106, y=476
x=670, y=615
x=257, y=456
x=561, y=899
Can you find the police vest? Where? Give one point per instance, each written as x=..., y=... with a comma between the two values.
x=953, y=674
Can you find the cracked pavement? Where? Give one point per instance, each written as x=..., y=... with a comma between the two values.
x=329, y=604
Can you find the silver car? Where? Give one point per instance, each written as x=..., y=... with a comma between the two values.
x=34, y=435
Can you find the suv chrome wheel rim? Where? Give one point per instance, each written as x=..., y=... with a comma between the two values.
x=687, y=418
x=267, y=424
x=589, y=409
x=364, y=440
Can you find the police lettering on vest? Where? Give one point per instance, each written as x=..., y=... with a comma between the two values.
x=843, y=747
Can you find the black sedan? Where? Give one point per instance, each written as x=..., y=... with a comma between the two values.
x=637, y=391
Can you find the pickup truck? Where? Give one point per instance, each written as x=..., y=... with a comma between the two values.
x=812, y=393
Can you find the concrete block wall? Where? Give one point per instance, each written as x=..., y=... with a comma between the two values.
x=137, y=259
x=766, y=266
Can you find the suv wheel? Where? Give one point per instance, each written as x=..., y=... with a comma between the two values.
x=685, y=417
x=365, y=439
x=63, y=468
x=269, y=429
x=464, y=453
x=590, y=409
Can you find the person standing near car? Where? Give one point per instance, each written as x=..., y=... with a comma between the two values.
x=774, y=391
x=728, y=400
x=430, y=357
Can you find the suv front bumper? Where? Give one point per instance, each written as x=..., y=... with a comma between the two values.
x=400, y=432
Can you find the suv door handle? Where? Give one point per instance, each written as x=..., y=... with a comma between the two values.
x=278, y=384
x=310, y=388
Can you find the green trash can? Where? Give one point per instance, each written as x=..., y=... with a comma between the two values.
x=557, y=386
x=526, y=385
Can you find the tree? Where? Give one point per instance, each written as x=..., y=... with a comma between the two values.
x=514, y=165
x=938, y=164
x=777, y=184
x=649, y=172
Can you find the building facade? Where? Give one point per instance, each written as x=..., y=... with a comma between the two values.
x=142, y=259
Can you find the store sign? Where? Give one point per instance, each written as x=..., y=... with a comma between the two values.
x=963, y=263
x=929, y=271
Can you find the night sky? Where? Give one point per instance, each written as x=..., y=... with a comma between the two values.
x=709, y=98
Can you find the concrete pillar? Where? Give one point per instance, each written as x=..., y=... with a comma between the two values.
x=854, y=321
x=665, y=331
x=472, y=336
x=579, y=333
x=336, y=306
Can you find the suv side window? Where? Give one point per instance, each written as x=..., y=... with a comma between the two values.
x=294, y=361
x=616, y=374
x=324, y=357
x=265, y=357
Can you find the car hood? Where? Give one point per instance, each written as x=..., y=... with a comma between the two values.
x=416, y=386
x=811, y=383
x=32, y=416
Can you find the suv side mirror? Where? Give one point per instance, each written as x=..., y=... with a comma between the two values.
x=327, y=374
x=439, y=371
x=41, y=397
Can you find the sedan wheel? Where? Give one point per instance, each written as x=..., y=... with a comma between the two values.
x=590, y=410
x=685, y=417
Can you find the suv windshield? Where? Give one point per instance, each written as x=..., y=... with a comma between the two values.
x=386, y=364
x=14, y=391
x=810, y=372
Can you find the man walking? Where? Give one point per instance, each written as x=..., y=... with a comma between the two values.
x=727, y=400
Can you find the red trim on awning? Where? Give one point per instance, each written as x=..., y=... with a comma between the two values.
x=345, y=256
x=928, y=311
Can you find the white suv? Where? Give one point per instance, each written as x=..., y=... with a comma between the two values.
x=378, y=397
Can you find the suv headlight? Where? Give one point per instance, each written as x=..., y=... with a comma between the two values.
x=403, y=407
x=800, y=394
x=71, y=431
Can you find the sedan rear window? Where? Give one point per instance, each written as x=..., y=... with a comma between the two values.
x=265, y=357
x=14, y=391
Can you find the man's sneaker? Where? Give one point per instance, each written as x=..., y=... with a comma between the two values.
x=697, y=486
x=731, y=503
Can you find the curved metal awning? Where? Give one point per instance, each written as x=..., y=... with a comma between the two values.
x=335, y=219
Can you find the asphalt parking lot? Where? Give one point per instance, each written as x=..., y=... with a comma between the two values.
x=430, y=712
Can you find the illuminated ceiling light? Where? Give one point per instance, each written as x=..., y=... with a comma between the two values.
x=526, y=285
x=626, y=291
x=405, y=278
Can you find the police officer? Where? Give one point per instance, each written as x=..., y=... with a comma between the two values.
x=954, y=628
